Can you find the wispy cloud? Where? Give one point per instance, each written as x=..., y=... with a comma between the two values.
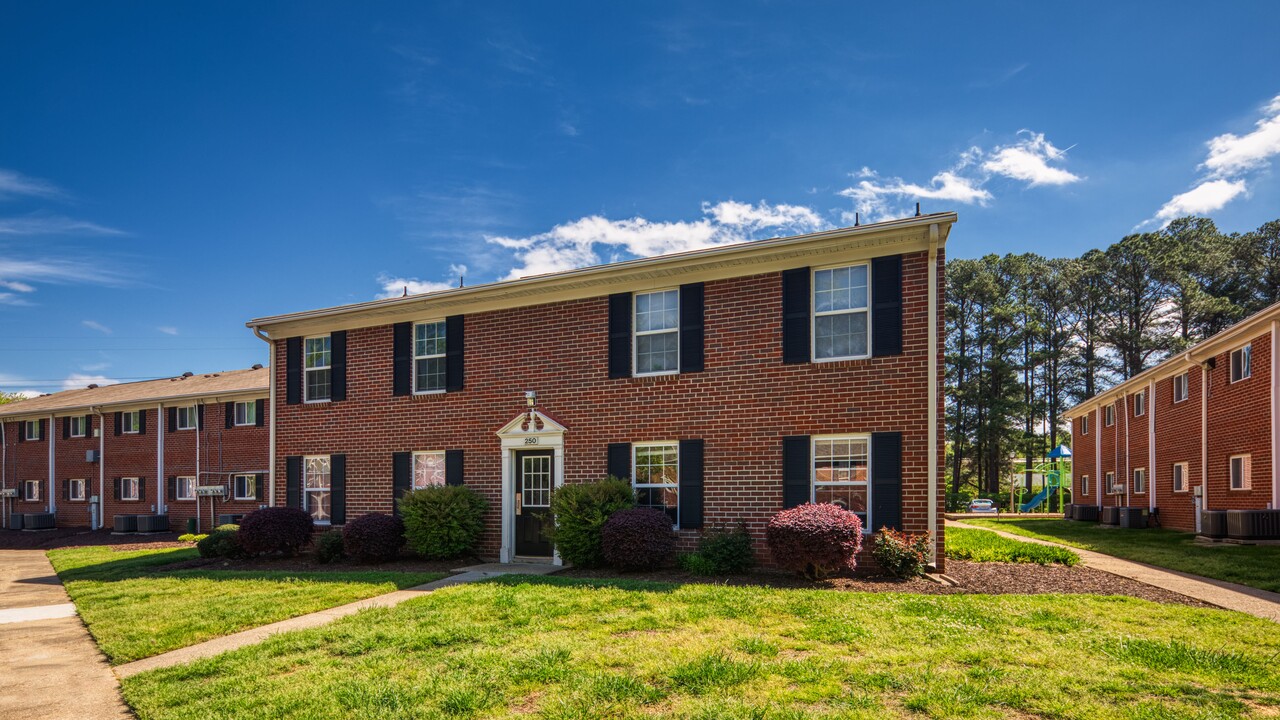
x=393, y=286
x=168, y=330
x=1001, y=77
x=95, y=325
x=15, y=184
x=1233, y=161
x=76, y=381
x=41, y=224
x=23, y=272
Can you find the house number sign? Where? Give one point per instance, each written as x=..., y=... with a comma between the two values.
x=531, y=441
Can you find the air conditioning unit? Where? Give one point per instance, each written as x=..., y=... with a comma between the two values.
x=91, y=456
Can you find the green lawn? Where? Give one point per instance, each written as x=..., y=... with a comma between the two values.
x=983, y=546
x=1254, y=565
x=136, y=609
x=560, y=648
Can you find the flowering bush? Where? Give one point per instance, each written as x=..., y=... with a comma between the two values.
x=375, y=537
x=815, y=540
x=637, y=539
x=275, y=529
x=901, y=553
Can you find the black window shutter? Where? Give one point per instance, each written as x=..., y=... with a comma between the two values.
x=338, y=371
x=142, y=488
x=402, y=358
x=172, y=484
x=116, y=488
x=172, y=420
x=293, y=481
x=620, y=335
x=691, y=464
x=119, y=422
x=66, y=428
x=692, y=335
x=22, y=430
x=401, y=469
x=886, y=306
x=142, y=422
x=200, y=417
x=44, y=430
x=338, y=489
x=259, y=486
x=454, y=352
x=796, y=469
x=66, y=490
x=620, y=460
x=293, y=370
x=795, y=315
x=261, y=408
x=453, y=463
x=886, y=480
x=88, y=426
x=229, y=412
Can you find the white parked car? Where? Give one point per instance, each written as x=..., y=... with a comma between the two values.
x=983, y=506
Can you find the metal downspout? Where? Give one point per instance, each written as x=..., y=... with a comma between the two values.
x=271, y=418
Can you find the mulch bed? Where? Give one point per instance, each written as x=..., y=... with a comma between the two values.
x=971, y=578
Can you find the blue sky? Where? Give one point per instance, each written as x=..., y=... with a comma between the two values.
x=168, y=170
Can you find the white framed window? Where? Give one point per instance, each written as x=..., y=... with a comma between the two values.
x=655, y=475
x=31, y=430
x=31, y=490
x=656, y=333
x=1180, y=477
x=841, y=467
x=186, y=488
x=246, y=413
x=131, y=422
x=841, y=313
x=1241, y=363
x=1084, y=485
x=315, y=487
x=1140, y=404
x=1139, y=480
x=428, y=469
x=1109, y=415
x=1084, y=425
x=1180, y=387
x=1111, y=486
x=187, y=417
x=129, y=488
x=75, y=426
x=429, y=345
x=317, y=364
x=1241, y=470
x=245, y=487
x=75, y=489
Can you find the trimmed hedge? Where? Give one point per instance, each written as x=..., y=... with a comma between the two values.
x=220, y=544
x=330, y=548
x=815, y=540
x=443, y=521
x=721, y=551
x=637, y=539
x=276, y=529
x=375, y=537
x=580, y=510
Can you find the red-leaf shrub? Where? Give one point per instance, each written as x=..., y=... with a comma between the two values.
x=637, y=539
x=815, y=540
x=901, y=553
x=375, y=537
x=276, y=529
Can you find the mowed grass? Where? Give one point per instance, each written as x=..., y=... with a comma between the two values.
x=560, y=648
x=984, y=546
x=1253, y=565
x=135, y=609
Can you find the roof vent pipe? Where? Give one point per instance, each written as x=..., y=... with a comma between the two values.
x=256, y=366
x=93, y=386
x=187, y=374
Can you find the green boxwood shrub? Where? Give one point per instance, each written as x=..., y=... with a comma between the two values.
x=330, y=547
x=220, y=544
x=580, y=510
x=443, y=521
x=721, y=551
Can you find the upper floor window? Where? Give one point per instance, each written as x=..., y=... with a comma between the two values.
x=1241, y=361
x=1112, y=487
x=1180, y=387
x=1180, y=477
x=1084, y=485
x=840, y=474
x=1084, y=425
x=1140, y=404
x=185, y=488
x=131, y=421
x=245, y=487
x=76, y=426
x=429, y=357
x=428, y=469
x=840, y=313
x=656, y=477
x=246, y=413
x=657, y=332
x=1241, y=469
x=317, y=363
x=75, y=489
x=187, y=419
x=1109, y=415
x=31, y=429
x=1140, y=480
x=315, y=487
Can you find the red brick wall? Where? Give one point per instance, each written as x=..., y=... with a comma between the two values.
x=1177, y=441
x=1240, y=423
x=741, y=405
x=1084, y=460
x=1139, y=434
x=23, y=461
x=224, y=452
x=1111, y=453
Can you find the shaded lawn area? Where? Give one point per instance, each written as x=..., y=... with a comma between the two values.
x=1253, y=565
x=135, y=608
x=561, y=648
x=983, y=546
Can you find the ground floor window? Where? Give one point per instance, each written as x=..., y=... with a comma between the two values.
x=1084, y=485
x=31, y=490
x=75, y=489
x=129, y=488
x=840, y=466
x=428, y=469
x=656, y=477
x=1179, y=477
x=245, y=486
x=1241, y=469
x=186, y=489
x=1112, y=488
x=1140, y=480
x=315, y=487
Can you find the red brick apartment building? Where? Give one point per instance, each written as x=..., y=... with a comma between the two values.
x=1192, y=439
x=86, y=456
x=726, y=384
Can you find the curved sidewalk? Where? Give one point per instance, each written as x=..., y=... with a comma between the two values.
x=1232, y=596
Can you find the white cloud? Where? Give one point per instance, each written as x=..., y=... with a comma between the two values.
x=40, y=224
x=1230, y=154
x=764, y=215
x=95, y=325
x=1028, y=160
x=79, y=381
x=15, y=184
x=393, y=287
x=1207, y=197
x=16, y=286
x=168, y=329
x=16, y=270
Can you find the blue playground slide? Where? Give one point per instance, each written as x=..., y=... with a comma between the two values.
x=1038, y=498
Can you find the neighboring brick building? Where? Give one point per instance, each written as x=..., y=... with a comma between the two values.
x=154, y=441
x=1160, y=434
x=727, y=383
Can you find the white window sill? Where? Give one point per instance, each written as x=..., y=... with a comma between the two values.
x=417, y=393
x=317, y=402
x=842, y=359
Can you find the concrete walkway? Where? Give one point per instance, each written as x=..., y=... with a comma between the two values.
x=49, y=665
x=256, y=635
x=1232, y=596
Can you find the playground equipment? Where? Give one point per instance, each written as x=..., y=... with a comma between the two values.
x=1053, y=473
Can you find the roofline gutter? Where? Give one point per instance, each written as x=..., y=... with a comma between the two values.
x=141, y=404
x=271, y=418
